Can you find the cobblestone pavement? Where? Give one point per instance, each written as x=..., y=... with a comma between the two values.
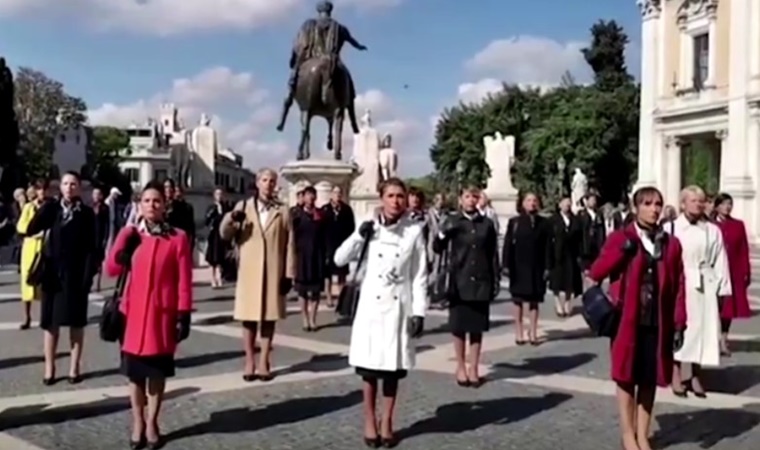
x=555, y=396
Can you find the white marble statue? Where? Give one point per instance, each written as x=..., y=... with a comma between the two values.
x=366, y=120
x=579, y=188
x=366, y=156
x=500, y=155
x=204, y=147
x=387, y=158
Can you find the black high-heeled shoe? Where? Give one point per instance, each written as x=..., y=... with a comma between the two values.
x=137, y=445
x=76, y=379
x=157, y=444
x=389, y=442
x=250, y=377
x=49, y=381
x=373, y=442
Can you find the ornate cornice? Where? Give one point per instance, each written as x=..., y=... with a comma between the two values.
x=721, y=134
x=696, y=8
x=650, y=8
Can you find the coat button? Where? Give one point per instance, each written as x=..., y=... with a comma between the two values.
x=379, y=255
x=378, y=297
x=397, y=255
x=395, y=297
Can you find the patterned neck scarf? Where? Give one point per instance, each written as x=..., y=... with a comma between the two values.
x=154, y=228
x=70, y=207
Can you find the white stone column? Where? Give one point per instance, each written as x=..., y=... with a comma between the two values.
x=651, y=11
x=754, y=42
x=751, y=216
x=712, y=44
x=672, y=170
x=735, y=175
x=686, y=66
x=146, y=173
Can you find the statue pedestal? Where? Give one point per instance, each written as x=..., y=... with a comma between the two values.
x=323, y=174
x=500, y=152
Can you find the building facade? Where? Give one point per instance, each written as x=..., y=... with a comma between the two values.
x=700, y=100
x=151, y=146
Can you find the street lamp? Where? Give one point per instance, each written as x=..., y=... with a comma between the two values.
x=561, y=166
x=460, y=174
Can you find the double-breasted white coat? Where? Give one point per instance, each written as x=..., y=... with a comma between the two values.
x=393, y=289
x=707, y=277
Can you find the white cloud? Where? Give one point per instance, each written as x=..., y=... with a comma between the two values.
x=474, y=92
x=168, y=17
x=212, y=91
x=219, y=90
x=523, y=60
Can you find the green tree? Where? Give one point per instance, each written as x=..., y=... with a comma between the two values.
x=606, y=55
x=43, y=107
x=460, y=131
x=108, y=147
x=614, y=168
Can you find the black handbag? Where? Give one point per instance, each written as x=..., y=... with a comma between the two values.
x=112, y=321
x=348, y=299
x=36, y=273
x=599, y=312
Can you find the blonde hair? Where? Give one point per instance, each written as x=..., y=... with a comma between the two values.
x=31, y=193
x=694, y=190
x=689, y=190
x=267, y=171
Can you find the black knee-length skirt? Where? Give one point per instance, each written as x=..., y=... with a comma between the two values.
x=139, y=368
x=469, y=317
x=373, y=374
x=645, y=358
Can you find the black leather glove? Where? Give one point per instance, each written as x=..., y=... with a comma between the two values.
x=367, y=229
x=630, y=247
x=286, y=284
x=130, y=246
x=416, y=326
x=677, y=340
x=238, y=216
x=183, y=326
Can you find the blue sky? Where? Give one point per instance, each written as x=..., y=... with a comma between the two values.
x=228, y=58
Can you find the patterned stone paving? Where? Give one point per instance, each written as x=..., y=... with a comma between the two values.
x=555, y=396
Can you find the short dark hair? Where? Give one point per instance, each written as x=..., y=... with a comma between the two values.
x=521, y=197
x=416, y=192
x=721, y=198
x=154, y=185
x=41, y=184
x=646, y=193
x=72, y=173
x=309, y=190
x=393, y=181
x=168, y=181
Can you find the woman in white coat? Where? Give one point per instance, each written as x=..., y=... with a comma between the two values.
x=706, y=278
x=391, y=307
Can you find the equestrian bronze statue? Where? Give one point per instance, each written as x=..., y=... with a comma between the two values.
x=319, y=81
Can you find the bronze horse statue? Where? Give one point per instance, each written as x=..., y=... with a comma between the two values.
x=339, y=98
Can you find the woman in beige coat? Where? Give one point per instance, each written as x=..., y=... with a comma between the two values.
x=260, y=227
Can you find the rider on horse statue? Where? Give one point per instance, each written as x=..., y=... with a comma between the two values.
x=322, y=37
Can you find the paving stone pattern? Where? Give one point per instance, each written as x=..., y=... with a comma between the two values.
x=322, y=409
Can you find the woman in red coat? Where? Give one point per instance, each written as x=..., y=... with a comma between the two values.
x=736, y=305
x=649, y=292
x=156, y=305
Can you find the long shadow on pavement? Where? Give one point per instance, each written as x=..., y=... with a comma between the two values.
x=39, y=414
x=461, y=417
x=704, y=428
x=545, y=365
x=246, y=420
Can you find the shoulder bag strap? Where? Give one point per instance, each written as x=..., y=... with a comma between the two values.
x=362, y=257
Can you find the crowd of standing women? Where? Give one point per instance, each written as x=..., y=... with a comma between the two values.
x=672, y=280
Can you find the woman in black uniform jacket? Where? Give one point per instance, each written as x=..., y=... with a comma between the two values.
x=69, y=254
x=473, y=280
x=526, y=254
